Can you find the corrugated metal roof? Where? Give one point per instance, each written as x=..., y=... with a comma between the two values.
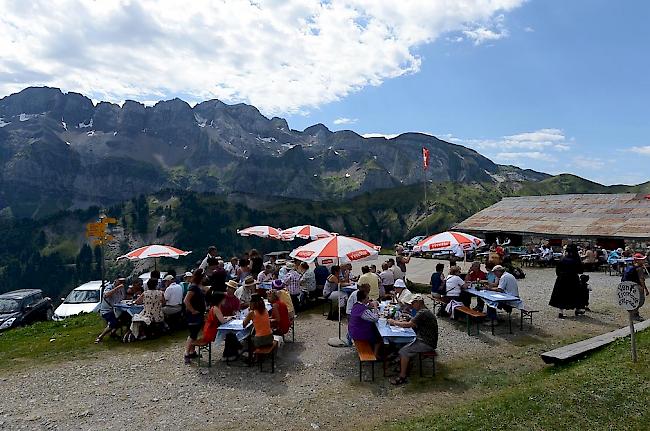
x=588, y=215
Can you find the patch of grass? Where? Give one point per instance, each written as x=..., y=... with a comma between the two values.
x=72, y=339
x=605, y=391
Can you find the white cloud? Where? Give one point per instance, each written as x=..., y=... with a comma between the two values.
x=380, y=135
x=645, y=150
x=518, y=156
x=529, y=29
x=282, y=56
x=344, y=120
x=538, y=140
x=490, y=31
x=588, y=162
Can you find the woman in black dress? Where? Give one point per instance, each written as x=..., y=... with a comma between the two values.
x=567, y=290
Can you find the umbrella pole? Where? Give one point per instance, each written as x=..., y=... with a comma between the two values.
x=338, y=342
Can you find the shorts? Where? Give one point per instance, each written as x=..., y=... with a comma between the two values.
x=111, y=320
x=414, y=347
x=263, y=341
x=194, y=330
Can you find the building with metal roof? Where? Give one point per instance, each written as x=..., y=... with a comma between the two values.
x=589, y=216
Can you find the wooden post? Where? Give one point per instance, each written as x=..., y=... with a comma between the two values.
x=632, y=335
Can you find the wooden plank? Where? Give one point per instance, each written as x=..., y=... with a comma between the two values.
x=365, y=350
x=577, y=350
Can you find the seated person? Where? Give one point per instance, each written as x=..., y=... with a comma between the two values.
x=437, y=280
x=284, y=296
x=352, y=299
x=261, y=322
x=112, y=295
x=453, y=284
x=280, y=322
x=246, y=291
x=387, y=278
x=425, y=326
x=266, y=275
x=152, y=314
x=371, y=279
x=402, y=294
x=213, y=320
x=361, y=325
x=473, y=275
x=230, y=304
x=506, y=283
x=173, y=296
x=135, y=290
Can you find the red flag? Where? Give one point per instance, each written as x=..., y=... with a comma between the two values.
x=425, y=158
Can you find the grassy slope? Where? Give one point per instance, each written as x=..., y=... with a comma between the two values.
x=72, y=339
x=604, y=391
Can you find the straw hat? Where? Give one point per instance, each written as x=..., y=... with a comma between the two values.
x=250, y=281
x=232, y=284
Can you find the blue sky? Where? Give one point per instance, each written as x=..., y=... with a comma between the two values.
x=552, y=85
x=581, y=67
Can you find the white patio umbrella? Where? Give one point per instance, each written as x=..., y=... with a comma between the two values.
x=154, y=251
x=336, y=249
x=454, y=242
x=305, y=231
x=261, y=231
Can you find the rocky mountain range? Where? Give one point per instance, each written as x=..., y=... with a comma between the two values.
x=60, y=150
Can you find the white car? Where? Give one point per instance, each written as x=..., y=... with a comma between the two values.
x=83, y=299
x=147, y=275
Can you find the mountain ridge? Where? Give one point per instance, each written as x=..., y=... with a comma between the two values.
x=62, y=151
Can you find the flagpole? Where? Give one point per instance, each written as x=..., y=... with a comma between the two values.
x=425, y=166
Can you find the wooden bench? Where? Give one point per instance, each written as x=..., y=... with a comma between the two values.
x=366, y=354
x=261, y=353
x=208, y=348
x=471, y=314
x=438, y=302
x=428, y=355
x=526, y=314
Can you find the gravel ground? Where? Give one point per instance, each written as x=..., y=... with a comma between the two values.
x=315, y=386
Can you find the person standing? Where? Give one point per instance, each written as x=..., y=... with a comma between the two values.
x=257, y=263
x=566, y=292
x=291, y=282
x=387, y=278
x=195, y=309
x=212, y=252
x=113, y=294
x=636, y=274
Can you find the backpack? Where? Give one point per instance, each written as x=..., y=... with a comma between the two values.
x=630, y=274
x=518, y=273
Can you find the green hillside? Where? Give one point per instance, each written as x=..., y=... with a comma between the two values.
x=53, y=254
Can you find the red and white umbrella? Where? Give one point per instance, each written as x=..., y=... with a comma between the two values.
x=261, y=231
x=336, y=249
x=455, y=242
x=306, y=231
x=154, y=251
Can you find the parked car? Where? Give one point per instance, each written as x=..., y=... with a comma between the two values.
x=83, y=299
x=22, y=307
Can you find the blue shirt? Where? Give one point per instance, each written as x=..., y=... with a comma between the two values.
x=436, y=282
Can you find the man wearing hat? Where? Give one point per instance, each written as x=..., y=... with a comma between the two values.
x=402, y=294
x=506, y=283
x=173, y=296
x=425, y=325
x=291, y=282
x=246, y=291
x=231, y=304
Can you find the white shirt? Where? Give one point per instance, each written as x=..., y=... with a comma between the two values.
x=387, y=278
x=174, y=294
x=508, y=284
x=453, y=284
x=204, y=262
x=397, y=272
x=404, y=297
x=352, y=299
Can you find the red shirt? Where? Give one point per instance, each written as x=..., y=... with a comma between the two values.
x=475, y=276
x=283, y=323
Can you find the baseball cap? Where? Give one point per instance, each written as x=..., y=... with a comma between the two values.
x=399, y=283
x=639, y=256
x=416, y=297
x=498, y=268
x=188, y=274
x=169, y=277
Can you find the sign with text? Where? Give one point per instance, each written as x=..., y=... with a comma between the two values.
x=630, y=296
